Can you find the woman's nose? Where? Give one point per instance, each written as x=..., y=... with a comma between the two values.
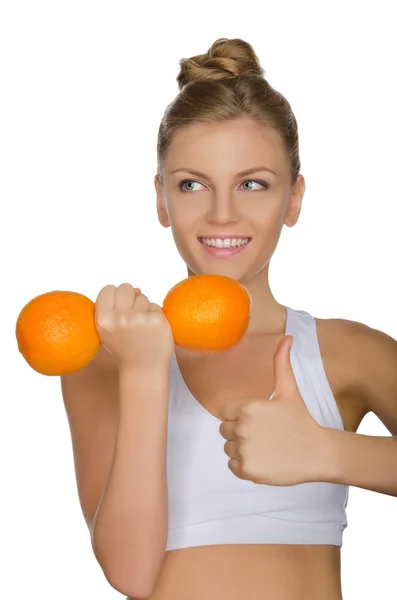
x=222, y=209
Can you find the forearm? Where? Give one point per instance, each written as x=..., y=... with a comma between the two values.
x=131, y=524
x=365, y=461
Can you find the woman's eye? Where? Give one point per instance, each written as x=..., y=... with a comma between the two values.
x=187, y=185
x=187, y=182
x=262, y=184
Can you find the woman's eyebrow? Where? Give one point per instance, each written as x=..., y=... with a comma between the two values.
x=241, y=174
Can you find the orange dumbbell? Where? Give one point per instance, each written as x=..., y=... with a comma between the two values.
x=56, y=331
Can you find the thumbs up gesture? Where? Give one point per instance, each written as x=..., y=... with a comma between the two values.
x=275, y=441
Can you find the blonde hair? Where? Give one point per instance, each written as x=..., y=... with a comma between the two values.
x=228, y=83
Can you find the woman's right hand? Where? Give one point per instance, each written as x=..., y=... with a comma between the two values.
x=135, y=331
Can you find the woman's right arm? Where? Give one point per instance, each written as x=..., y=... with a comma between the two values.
x=129, y=532
x=118, y=423
x=118, y=414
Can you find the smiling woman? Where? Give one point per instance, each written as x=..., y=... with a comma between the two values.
x=174, y=511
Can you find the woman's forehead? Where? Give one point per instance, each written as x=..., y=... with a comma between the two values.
x=237, y=145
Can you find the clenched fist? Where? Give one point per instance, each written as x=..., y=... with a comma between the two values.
x=135, y=331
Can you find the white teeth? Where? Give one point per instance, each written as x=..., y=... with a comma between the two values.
x=226, y=243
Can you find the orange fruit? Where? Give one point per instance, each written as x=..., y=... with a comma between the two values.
x=208, y=312
x=56, y=332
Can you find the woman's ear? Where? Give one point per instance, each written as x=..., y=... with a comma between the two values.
x=161, y=208
x=295, y=203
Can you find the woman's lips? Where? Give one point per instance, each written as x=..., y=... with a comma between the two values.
x=223, y=252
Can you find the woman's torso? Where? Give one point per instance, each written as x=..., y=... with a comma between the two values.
x=257, y=571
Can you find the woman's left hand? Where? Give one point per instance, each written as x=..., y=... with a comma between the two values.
x=277, y=441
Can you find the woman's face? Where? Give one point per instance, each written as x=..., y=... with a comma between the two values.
x=206, y=195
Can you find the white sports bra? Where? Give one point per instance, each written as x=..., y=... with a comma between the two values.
x=209, y=505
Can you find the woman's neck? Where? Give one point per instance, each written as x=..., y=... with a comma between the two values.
x=267, y=315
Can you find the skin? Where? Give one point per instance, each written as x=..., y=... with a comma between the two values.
x=223, y=202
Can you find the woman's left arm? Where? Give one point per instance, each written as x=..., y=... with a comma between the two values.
x=367, y=461
x=278, y=442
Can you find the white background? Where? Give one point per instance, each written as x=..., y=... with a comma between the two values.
x=83, y=88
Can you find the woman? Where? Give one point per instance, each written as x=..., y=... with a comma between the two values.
x=193, y=484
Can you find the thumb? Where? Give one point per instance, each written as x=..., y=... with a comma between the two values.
x=283, y=374
x=155, y=307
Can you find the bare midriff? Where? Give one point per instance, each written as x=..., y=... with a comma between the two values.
x=250, y=572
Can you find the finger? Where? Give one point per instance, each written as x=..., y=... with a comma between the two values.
x=285, y=384
x=231, y=450
x=142, y=303
x=125, y=297
x=231, y=409
x=235, y=466
x=104, y=303
x=155, y=307
x=226, y=430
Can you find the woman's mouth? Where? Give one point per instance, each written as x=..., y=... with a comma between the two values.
x=225, y=246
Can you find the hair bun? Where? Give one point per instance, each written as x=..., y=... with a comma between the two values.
x=226, y=59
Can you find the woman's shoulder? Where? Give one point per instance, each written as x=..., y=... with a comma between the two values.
x=357, y=336
x=367, y=357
